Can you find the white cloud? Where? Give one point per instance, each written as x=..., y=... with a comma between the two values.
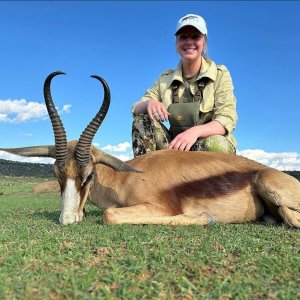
x=66, y=108
x=122, y=147
x=20, y=111
x=124, y=157
x=26, y=134
x=3, y=117
x=285, y=161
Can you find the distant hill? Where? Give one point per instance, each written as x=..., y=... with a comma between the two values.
x=24, y=169
x=19, y=169
x=296, y=174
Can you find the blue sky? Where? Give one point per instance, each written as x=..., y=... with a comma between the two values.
x=130, y=43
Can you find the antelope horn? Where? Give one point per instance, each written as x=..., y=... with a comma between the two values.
x=113, y=162
x=43, y=151
x=85, y=140
x=58, y=128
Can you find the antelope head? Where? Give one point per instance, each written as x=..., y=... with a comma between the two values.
x=74, y=161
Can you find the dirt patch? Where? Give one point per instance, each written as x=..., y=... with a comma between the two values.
x=51, y=186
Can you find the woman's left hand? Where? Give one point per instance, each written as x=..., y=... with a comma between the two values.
x=185, y=140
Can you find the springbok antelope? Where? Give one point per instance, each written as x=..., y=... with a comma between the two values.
x=168, y=187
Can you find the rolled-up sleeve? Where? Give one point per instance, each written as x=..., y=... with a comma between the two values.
x=225, y=101
x=151, y=93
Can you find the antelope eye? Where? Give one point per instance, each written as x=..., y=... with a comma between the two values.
x=88, y=179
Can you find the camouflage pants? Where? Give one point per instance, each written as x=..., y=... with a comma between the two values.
x=148, y=135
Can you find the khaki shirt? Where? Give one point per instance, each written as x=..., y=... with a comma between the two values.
x=218, y=103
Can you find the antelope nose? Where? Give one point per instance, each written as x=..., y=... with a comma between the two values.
x=66, y=219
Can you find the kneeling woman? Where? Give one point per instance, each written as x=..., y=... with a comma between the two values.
x=197, y=99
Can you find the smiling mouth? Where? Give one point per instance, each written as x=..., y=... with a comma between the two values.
x=189, y=49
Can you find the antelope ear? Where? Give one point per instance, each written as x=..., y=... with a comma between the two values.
x=111, y=161
x=45, y=151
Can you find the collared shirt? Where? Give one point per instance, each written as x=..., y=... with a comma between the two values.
x=219, y=102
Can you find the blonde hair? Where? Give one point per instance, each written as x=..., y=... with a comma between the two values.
x=205, y=49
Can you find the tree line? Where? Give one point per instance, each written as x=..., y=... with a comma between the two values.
x=23, y=169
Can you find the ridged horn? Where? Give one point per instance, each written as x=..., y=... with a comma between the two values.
x=85, y=140
x=58, y=128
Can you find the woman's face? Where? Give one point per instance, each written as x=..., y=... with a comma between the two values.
x=190, y=43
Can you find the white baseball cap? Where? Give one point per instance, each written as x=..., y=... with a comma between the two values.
x=192, y=20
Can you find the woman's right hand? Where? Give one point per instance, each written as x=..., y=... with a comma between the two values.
x=157, y=111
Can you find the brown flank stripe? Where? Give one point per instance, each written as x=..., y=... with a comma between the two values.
x=215, y=186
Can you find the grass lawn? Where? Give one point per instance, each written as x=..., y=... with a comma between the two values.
x=40, y=259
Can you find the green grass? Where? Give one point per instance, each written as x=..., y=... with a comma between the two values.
x=40, y=259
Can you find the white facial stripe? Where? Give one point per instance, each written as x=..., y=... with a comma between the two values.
x=70, y=202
